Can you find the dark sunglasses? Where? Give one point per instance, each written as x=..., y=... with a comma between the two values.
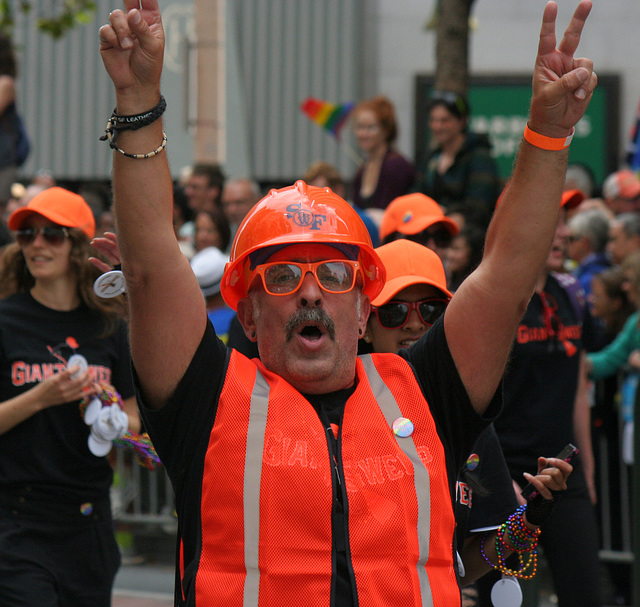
x=440, y=236
x=452, y=100
x=54, y=235
x=395, y=314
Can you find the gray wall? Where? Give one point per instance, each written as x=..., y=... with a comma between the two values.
x=66, y=97
x=279, y=53
x=290, y=50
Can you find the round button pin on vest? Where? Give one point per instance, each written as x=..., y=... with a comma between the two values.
x=403, y=427
x=506, y=592
x=473, y=461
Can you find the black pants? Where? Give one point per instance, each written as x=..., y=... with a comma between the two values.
x=63, y=563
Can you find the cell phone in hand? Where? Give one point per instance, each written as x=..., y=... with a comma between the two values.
x=567, y=454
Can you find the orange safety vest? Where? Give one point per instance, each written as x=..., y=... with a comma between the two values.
x=267, y=494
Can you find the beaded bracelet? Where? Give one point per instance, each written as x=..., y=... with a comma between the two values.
x=519, y=533
x=532, y=561
x=522, y=540
x=143, y=156
x=543, y=142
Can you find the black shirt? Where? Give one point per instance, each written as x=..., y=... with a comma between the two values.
x=49, y=451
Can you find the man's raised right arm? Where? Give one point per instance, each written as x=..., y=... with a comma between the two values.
x=167, y=311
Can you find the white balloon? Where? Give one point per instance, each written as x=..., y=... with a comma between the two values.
x=98, y=446
x=92, y=412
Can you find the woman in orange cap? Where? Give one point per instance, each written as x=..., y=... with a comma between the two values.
x=60, y=345
x=418, y=218
x=414, y=297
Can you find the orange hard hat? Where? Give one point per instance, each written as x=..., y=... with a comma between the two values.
x=299, y=214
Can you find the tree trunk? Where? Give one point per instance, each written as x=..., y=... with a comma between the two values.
x=452, y=47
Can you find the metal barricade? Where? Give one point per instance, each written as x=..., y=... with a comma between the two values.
x=614, y=504
x=142, y=496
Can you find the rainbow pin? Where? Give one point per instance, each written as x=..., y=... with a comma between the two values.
x=473, y=461
x=403, y=427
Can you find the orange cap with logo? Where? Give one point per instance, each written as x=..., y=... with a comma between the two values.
x=59, y=206
x=409, y=263
x=413, y=213
x=299, y=214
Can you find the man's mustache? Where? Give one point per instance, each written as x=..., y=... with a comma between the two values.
x=310, y=315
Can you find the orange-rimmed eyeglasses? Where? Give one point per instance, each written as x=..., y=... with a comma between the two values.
x=285, y=277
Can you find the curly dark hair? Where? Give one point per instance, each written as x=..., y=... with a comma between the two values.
x=15, y=278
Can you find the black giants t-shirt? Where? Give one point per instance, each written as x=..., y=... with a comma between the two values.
x=48, y=451
x=542, y=377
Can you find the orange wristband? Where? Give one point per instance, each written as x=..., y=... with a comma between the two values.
x=552, y=144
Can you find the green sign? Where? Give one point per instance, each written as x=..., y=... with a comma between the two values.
x=499, y=107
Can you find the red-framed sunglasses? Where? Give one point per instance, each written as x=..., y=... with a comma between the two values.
x=395, y=314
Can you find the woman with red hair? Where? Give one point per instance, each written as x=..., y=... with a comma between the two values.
x=385, y=174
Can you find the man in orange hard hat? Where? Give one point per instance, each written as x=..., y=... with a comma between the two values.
x=313, y=476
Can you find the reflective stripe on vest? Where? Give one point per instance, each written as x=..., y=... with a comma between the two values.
x=391, y=411
x=252, y=474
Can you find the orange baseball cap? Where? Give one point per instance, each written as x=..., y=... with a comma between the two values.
x=409, y=263
x=60, y=206
x=572, y=198
x=413, y=213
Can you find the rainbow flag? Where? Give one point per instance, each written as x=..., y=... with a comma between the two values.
x=330, y=116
